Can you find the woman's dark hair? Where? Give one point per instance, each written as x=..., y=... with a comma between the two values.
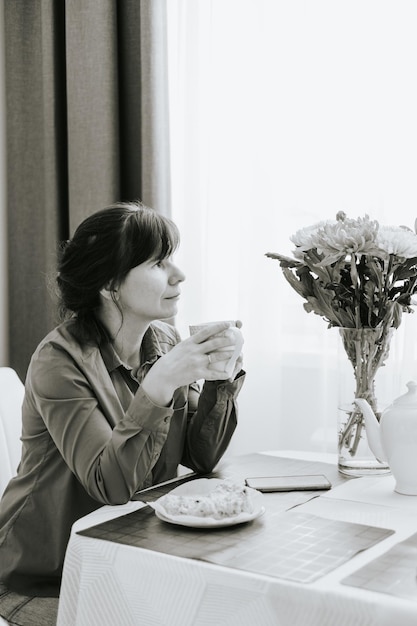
x=104, y=248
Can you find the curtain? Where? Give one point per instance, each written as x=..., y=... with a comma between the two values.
x=87, y=125
x=282, y=114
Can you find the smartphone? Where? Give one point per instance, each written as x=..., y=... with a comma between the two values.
x=289, y=483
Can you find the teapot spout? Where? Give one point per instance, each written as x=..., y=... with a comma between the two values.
x=372, y=430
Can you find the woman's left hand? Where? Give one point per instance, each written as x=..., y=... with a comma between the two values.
x=238, y=367
x=223, y=360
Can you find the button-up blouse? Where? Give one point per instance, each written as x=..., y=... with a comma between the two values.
x=91, y=436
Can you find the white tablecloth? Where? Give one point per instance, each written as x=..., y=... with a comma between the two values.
x=112, y=584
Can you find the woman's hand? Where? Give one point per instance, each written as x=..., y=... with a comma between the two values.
x=237, y=368
x=201, y=356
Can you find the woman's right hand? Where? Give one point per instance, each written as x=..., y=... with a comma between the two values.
x=197, y=357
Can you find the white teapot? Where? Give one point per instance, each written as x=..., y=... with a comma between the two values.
x=393, y=440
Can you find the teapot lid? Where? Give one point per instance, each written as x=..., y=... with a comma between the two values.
x=408, y=399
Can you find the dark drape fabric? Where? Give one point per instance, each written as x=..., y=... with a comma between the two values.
x=87, y=124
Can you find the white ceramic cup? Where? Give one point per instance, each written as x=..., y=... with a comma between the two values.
x=236, y=340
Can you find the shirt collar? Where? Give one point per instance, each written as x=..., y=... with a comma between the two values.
x=150, y=350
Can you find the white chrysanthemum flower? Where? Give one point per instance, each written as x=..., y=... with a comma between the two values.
x=398, y=240
x=337, y=239
x=305, y=238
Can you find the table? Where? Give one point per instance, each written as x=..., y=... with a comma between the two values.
x=110, y=583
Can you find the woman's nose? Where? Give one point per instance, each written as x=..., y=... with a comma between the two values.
x=177, y=276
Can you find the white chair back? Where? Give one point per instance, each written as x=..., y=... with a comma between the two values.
x=11, y=398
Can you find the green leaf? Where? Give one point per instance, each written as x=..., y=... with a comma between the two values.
x=285, y=261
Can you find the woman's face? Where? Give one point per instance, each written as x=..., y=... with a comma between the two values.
x=151, y=291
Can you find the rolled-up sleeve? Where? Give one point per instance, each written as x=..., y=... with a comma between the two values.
x=212, y=422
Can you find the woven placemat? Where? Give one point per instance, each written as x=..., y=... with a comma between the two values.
x=283, y=542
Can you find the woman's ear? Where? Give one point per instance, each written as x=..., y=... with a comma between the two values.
x=109, y=294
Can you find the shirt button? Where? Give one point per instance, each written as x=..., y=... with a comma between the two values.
x=166, y=419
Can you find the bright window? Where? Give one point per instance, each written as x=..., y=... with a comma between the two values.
x=282, y=114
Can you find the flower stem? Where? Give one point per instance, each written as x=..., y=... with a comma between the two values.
x=367, y=350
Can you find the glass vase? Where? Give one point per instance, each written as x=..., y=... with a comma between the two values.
x=367, y=350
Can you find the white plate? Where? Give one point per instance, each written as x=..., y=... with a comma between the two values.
x=200, y=487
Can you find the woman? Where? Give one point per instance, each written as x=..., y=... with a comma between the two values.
x=111, y=404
